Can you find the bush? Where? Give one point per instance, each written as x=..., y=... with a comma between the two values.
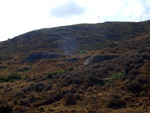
x=24, y=102
x=114, y=101
x=117, y=75
x=31, y=87
x=55, y=96
x=134, y=86
x=3, y=67
x=70, y=69
x=134, y=72
x=39, y=86
x=82, y=52
x=49, y=75
x=58, y=72
x=2, y=79
x=70, y=99
x=13, y=75
x=6, y=109
x=18, y=94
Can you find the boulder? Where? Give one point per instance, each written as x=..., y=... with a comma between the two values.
x=98, y=58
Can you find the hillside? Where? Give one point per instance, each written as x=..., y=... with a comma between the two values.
x=73, y=39
x=85, y=68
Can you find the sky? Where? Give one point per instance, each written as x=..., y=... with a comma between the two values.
x=21, y=16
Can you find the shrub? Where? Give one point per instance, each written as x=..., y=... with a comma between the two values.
x=27, y=76
x=134, y=86
x=70, y=69
x=58, y=72
x=24, y=69
x=145, y=56
x=24, y=102
x=55, y=96
x=69, y=99
x=104, y=71
x=48, y=86
x=13, y=75
x=3, y=67
x=25, y=90
x=142, y=80
x=130, y=77
x=114, y=101
x=31, y=87
x=127, y=69
x=2, y=79
x=117, y=75
x=39, y=86
x=6, y=109
x=134, y=72
x=91, y=80
x=18, y=94
x=49, y=75
x=82, y=52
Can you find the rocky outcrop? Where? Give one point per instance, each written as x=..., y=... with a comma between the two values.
x=42, y=55
x=98, y=58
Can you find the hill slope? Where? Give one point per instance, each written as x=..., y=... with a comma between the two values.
x=73, y=39
x=110, y=73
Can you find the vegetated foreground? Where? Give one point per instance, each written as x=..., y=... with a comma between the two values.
x=114, y=78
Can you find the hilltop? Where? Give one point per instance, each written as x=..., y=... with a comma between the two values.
x=85, y=68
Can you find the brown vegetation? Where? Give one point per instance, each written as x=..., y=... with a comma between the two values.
x=65, y=85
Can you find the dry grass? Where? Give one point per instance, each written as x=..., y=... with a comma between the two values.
x=83, y=89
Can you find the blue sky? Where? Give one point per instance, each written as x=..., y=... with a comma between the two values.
x=20, y=16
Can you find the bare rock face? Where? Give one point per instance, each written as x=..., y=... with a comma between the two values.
x=42, y=55
x=98, y=58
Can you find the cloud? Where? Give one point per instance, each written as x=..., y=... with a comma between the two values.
x=68, y=9
x=133, y=10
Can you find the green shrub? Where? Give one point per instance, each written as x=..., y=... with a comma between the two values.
x=70, y=68
x=13, y=75
x=58, y=72
x=116, y=76
x=82, y=52
x=27, y=76
x=49, y=75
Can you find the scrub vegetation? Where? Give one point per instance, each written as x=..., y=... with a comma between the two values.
x=120, y=84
